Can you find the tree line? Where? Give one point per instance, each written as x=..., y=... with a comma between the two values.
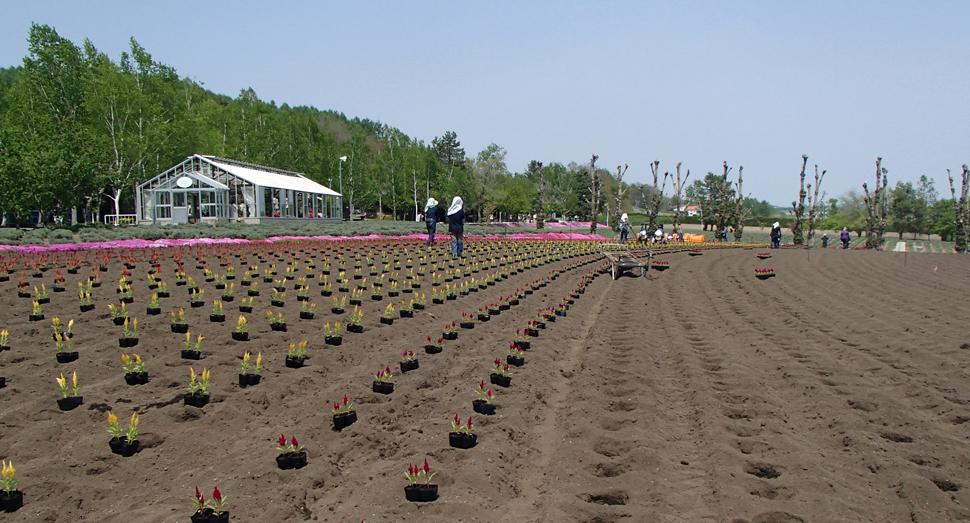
x=81, y=130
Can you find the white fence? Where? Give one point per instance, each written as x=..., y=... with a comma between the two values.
x=120, y=219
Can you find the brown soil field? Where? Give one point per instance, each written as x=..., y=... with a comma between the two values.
x=835, y=391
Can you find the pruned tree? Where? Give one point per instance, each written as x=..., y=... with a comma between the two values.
x=679, y=188
x=620, y=191
x=537, y=169
x=658, y=194
x=815, y=204
x=798, y=208
x=877, y=203
x=740, y=212
x=593, y=198
x=960, y=209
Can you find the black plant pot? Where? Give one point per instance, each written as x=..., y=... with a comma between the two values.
x=333, y=340
x=247, y=309
x=344, y=420
x=437, y=301
x=524, y=345
x=66, y=357
x=467, y=325
x=484, y=317
x=532, y=333
x=278, y=327
x=336, y=310
x=460, y=440
x=483, y=407
x=291, y=460
x=35, y=317
x=277, y=303
x=409, y=366
x=540, y=325
x=494, y=312
x=228, y=298
x=127, y=342
x=70, y=403
x=251, y=292
x=11, y=502
x=326, y=294
x=43, y=301
x=3, y=382
x=407, y=314
x=188, y=354
x=449, y=335
x=122, y=447
x=217, y=318
x=306, y=315
x=383, y=387
x=294, y=363
x=356, y=329
x=180, y=328
x=421, y=493
x=387, y=321
x=501, y=381
x=86, y=308
x=515, y=361
x=354, y=301
x=136, y=378
x=198, y=400
x=240, y=336
x=504, y=307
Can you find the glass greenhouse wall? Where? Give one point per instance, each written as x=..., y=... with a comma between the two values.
x=211, y=189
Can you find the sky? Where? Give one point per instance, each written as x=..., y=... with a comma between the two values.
x=756, y=84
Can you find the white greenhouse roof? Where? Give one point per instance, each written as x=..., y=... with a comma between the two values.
x=271, y=178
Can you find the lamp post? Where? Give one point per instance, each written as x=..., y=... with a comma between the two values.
x=340, y=173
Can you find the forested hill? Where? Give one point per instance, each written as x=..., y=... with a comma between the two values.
x=82, y=130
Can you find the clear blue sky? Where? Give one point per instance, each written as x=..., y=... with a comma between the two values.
x=755, y=83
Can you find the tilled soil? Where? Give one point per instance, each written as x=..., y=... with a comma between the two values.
x=835, y=391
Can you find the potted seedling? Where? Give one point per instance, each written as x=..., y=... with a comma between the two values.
x=515, y=357
x=292, y=455
x=70, y=399
x=434, y=347
x=246, y=305
x=307, y=310
x=382, y=382
x=500, y=374
x=296, y=356
x=467, y=320
x=129, y=333
x=764, y=274
x=408, y=361
x=40, y=295
x=388, y=317
x=179, y=324
x=210, y=511
x=253, y=289
x=4, y=340
x=332, y=335
x=344, y=414
x=229, y=293
x=450, y=331
x=86, y=301
x=276, y=323
x=65, y=349
x=245, y=377
x=124, y=444
x=198, y=395
x=278, y=299
x=339, y=304
x=354, y=325
x=242, y=329
x=37, y=313
x=153, y=308
x=218, y=315
x=134, y=369
x=190, y=353
x=522, y=340
x=415, y=491
x=483, y=405
x=420, y=302
x=462, y=437
x=11, y=499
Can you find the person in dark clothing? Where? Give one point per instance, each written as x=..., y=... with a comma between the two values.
x=776, y=235
x=431, y=219
x=825, y=241
x=844, y=236
x=456, y=226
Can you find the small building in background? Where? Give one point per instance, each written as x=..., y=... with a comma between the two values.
x=212, y=189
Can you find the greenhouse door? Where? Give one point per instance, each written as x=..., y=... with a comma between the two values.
x=180, y=211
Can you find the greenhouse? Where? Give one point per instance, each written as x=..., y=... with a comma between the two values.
x=211, y=189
